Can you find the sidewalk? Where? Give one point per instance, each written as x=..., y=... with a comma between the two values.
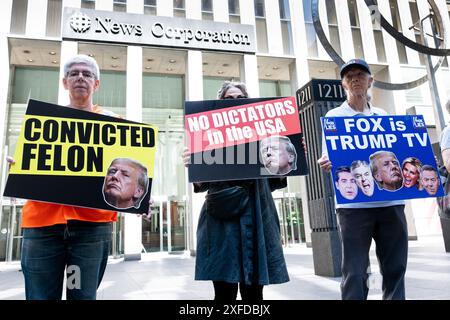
x=163, y=276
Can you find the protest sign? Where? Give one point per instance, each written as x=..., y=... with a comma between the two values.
x=381, y=158
x=244, y=139
x=79, y=158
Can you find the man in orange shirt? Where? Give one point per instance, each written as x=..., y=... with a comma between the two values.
x=57, y=237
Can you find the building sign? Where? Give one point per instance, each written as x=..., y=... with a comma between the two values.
x=127, y=28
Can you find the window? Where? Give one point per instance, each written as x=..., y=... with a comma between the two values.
x=179, y=8
x=211, y=86
x=261, y=35
x=150, y=7
x=112, y=92
x=331, y=12
x=311, y=38
x=357, y=42
x=19, y=16
x=286, y=29
x=379, y=44
x=234, y=11
x=88, y=4
x=259, y=9
x=333, y=26
x=54, y=9
x=334, y=38
x=207, y=10
x=274, y=88
x=353, y=13
x=25, y=84
x=261, y=27
x=162, y=91
x=120, y=5
x=356, y=31
x=396, y=23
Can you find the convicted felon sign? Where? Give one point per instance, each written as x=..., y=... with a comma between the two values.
x=85, y=159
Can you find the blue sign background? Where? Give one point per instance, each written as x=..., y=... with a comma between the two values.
x=356, y=138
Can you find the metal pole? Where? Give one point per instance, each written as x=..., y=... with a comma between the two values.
x=290, y=215
x=10, y=241
x=435, y=101
x=169, y=226
x=161, y=226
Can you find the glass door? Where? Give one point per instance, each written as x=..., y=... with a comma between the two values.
x=166, y=230
x=10, y=231
x=290, y=213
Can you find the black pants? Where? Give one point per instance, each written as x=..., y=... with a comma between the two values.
x=226, y=291
x=387, y=226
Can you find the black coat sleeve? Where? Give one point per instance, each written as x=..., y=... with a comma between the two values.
x=201, y=186
x=277, y=183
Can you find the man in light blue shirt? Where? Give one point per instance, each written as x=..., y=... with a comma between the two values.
x=359, y=223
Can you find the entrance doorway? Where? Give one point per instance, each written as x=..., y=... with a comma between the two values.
x=290, y=213
x=167, y=229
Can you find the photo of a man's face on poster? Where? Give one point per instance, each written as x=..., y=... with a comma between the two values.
x=278, y=155
x=126, y=183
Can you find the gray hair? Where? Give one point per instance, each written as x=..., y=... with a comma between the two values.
x=359, y=163
x=427, y=167
x=447, y=106
x=82, y=59
x=291, y=150
x=227, y=85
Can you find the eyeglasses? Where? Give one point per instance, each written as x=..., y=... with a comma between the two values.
x=84, y=73
x=237, y=97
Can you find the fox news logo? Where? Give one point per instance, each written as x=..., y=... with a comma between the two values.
x=329, y=125
x=418, y=123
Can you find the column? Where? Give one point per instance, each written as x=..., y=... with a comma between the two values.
x=106, y=5
x=406, y=21
x=135, y=6
x=299, y=77
x=345, y=30
x=367, y=37
x=5, y=23
x=133, y=223
x=324, y=20
x=220, y=11
x=194, y=91
x=443, y=78
x=247, y=12
x=249, y=74
x=68, y=50
x=273, y=25
x=71, y=4
x=193, y=9
x=164, y=8
x=36, y=19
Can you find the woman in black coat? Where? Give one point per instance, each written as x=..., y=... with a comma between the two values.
x=242, y=251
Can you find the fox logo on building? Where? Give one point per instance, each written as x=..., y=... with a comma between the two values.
x=79, y=22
